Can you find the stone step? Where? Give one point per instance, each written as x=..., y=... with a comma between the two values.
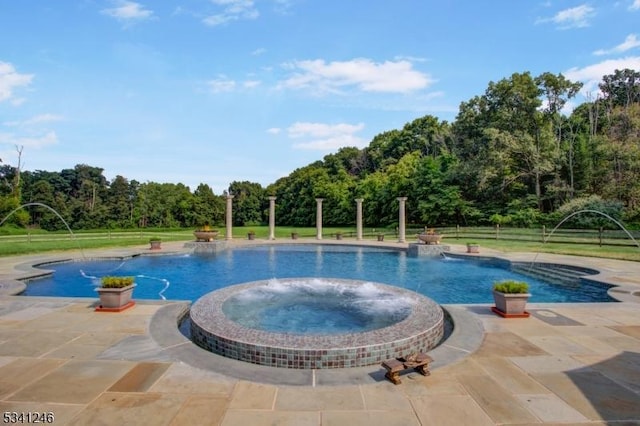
x=550, y=272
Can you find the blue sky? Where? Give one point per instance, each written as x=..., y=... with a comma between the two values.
x=212, y=91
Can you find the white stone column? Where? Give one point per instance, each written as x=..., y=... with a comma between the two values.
x=401, y=219
x=319, y=218
x=272, y=218
x=359, y=218
x=229, y=219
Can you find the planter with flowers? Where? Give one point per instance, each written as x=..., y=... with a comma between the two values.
x=205, y=234
x=511, y=298
x=115, y=293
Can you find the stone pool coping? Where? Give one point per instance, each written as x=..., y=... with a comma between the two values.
x=169, y=343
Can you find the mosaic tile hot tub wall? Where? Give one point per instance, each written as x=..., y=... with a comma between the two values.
x=211, y=330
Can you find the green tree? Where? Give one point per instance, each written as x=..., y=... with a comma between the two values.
x=249, y=203
x=623, y=152
x=621, y=89
x=208, y=208
x=557, y=91
x=295, y=204
x=119, y=204
x=438, y=201
x=505, y=142
x=163, y=205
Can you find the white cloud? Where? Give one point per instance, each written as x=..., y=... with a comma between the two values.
x=259, y=51
x=224, y=84
x=629, y=43
x=575, y=17
x=215, y=20
x=410, y=58
x=250, y=84
x=326, y=137
x=591, y=75
x=274, y=131
x=49, y=138
x=221, y=84
x=232, y=11
x=368, y=76
x=635, y=5
x=38, y=119
x=283, y=6
x=10, y=79
x=128, y=11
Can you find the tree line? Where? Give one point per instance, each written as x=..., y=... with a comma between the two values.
x=510, y=157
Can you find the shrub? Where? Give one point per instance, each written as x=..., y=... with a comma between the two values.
x=511, y=287
x=116, y=282
x=498, y=219
x=525, y=218
x=589, y=220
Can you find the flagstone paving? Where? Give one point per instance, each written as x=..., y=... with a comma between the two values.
x=573, y=364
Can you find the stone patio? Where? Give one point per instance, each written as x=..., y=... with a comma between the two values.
x=566, y=364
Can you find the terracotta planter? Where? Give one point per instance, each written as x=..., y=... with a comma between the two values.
x=473, y=248
x=338, y=236
x=114, y=298
x=294, y=235
x=380, y=237
x=430, y=238
x=511, y=303
x=205, y=235
x=155, y=244
x=251, y=235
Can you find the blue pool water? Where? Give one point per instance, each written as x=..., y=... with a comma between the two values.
x=188, y=277
x=317, y=306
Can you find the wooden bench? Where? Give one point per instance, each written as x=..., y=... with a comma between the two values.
x=419, y=362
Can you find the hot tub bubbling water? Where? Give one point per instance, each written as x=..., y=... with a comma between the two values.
x=311, y=323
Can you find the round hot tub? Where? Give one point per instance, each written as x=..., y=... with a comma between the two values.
x=314, y=323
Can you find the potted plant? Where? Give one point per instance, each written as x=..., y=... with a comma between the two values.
x=115, y=293
x=156, y=243
x=338, y=235
x=206, y=233
x=380, y=237
x=511, y=298
x=473, y=248
x=430, y=236
x=251, y=235
x=294, y=235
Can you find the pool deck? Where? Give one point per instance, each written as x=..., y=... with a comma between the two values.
x=566, y=364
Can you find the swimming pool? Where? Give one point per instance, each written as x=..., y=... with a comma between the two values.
x=189, y=276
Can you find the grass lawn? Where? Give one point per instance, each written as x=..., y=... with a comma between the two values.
x=593, y=250
x=16, y=244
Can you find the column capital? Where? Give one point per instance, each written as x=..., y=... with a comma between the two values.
x=359, y=200
x=402, y=198
x=272, y=198
x=319, y=200
x=230, y=197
